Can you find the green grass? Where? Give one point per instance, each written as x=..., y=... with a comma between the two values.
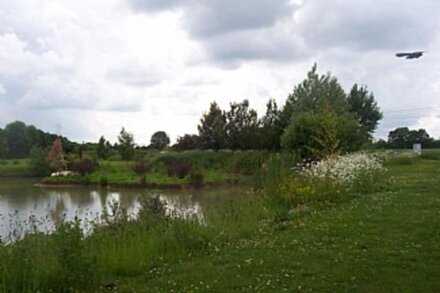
x=386, y=241
x=382, y=239
x=216, y=168
x=15, y=168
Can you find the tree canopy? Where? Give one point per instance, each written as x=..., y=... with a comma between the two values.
x=159, y=140
x=126, y=144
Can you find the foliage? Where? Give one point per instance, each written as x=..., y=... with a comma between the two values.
x=402, y=137
x=367, y=111
x=141, y=168
x=83, y=166
x=159, y=140
x=180, y=169
x=241, y=126
x=126, y=145
x=55, y=156
x=103, y=148
x=17, y=140
x=269, y=135
x=212, y=129
x=313, y=135
x=196, y=178
x=38, y=162
x=187, y=142
x=357, y=113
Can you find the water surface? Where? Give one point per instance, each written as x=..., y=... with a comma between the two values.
x=25, y=207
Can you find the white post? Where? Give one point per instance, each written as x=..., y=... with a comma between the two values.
x=417, y=148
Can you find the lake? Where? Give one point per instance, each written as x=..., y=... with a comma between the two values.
x=25, y=207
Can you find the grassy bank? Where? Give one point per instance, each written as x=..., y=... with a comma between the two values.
x=212, y=168
x=377, y=237
x=16, y=168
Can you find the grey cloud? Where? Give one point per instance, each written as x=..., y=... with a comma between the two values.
x=265, y=45
x=208, y=18
x=214, y=17
x=369, y=25
x=157, y=5
x=232, y=31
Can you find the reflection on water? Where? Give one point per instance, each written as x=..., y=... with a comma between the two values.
x=25, y=207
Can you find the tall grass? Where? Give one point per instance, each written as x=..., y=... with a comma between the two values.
x=120, y=246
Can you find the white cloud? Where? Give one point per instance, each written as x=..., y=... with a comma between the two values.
x=95, y=66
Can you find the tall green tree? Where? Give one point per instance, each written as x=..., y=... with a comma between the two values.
x=159, y=140
x=103, y=148
x=363, y=105
x=242, y=126
x=17, y=139
x=212, y=128
x=269, y=135
x=356, y=118
x=126, y=145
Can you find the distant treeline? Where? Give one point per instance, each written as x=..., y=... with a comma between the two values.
x=317, y=119
x=403, y=137
x=17, y=140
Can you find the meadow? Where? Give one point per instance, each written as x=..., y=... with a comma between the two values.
x=301, y=228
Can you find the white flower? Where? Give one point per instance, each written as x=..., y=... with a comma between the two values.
x=345, y=168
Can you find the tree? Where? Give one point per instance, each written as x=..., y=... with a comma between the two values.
x=38, y=163
x=402, y=137
x=314, y=94
x=313, y=135
x=4, y=151
x=17, y=139
x=55, y=157
x=241, y=126
x=159, y=140
x=103, y=148
x=187, y=142
x=126, y=144
x=269, y=136
x=363, y=105
x=212, y=131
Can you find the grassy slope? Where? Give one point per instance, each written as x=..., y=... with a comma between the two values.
x=381, y=242
x=15, y=168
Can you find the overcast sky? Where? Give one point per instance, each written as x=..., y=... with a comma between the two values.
x=86, y=68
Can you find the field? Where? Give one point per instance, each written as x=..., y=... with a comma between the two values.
x=378, y=237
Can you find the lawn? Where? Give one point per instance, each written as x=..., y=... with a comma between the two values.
x=386, y=241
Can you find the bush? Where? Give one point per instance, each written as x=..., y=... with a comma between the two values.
x=141, y=167
x=196, y=178
x=180, y=169
x=83, y=166
x=103, y=181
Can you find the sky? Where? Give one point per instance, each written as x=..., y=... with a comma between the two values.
x=88, y=68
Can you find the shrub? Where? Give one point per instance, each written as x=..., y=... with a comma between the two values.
x=103, y=181
x=196, y=178
x=141, y=167
x=83, y=167
x=180, y=169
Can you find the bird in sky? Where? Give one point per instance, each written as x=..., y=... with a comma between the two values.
x=411, y=55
